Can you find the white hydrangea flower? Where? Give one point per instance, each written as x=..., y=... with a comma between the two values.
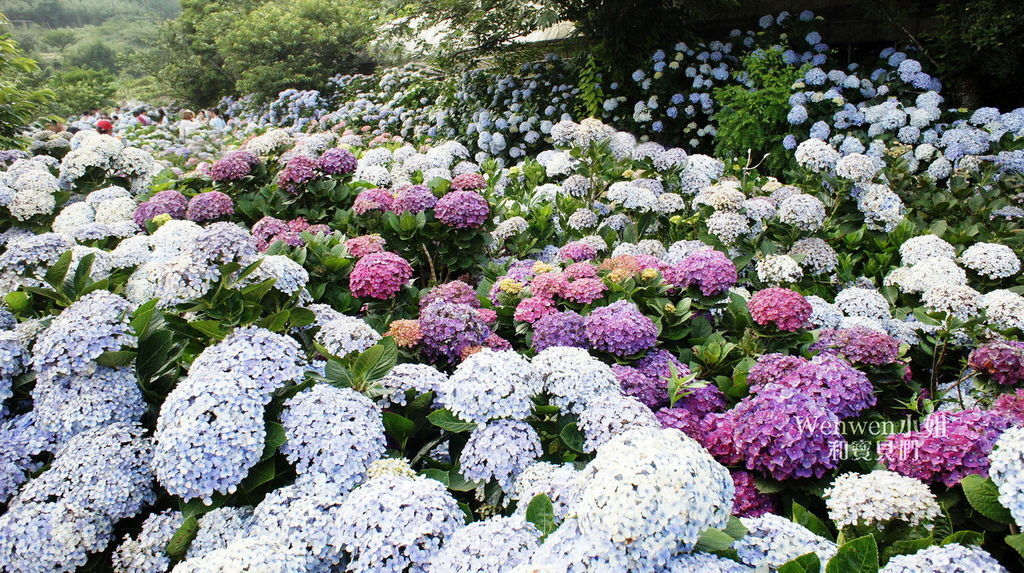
x=652, y=492
x=728, y=226
x=1004, y=308
x=960, y=301
x=869, y=303
x=803, y=211
x=879, y=497
x=1007, y=471
x=344, y=335
x=772, y=540
x=779, y=269
x=490, y=385
x=573, y=377
x=917, y=249
x=991, y=260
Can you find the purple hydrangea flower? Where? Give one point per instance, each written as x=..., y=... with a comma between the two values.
x=373, y=200
x=709, y=269
x=647, y=380
x=299, y=171
x=469, y=182
x=1003, y=360
x=454, y=291
x=779, y=432
x=859, y=345
x=462, y=209
x=233, y=166
x=749, y=502
x=577, y=251
x=337, y=161
x=209, y=206
x=772, y=368
x=414, y=199
x=948, y=447
x=448, y=329
x=620, y=329
x=829, y=379
x=559, y=329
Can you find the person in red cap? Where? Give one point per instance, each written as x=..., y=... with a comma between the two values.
x=104, y=126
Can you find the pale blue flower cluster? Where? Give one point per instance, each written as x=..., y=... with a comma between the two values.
x=501, y=449
x=490, y=385
x=145, y=553
x=495, y=544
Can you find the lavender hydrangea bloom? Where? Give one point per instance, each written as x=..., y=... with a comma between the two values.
x=23, y=440
x=462, y=209
x=708, y=269
x=831, y=380
x=209, y=206
x=68, y=405
x=448, y=329
x=501, y=449
x=779, y=432
x=456, y=292
x=1003, y=360
x=98, y=478
x=565, y=328
x=145, y=552
x=414, y=199
x=573, y=377
x=473, y=548
x=620, y=329
x=299, y=171
x=333, y=435
x=219, y=528
x=96, y=323
x=337, y=161
x=944, y=558
x=234, y=166
x=859, y=345
x=609, y=415
x=395, y=524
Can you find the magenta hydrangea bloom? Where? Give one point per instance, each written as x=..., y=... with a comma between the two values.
x=709, y=269
x=299, y=171
x=233, y=166
x=703, y=400
x=469, y=182
x=337, y=161
x=462, y=209
x=585, y=291
x=209, y=206
x=1011, y=406
x=833, y=382
x=454, y=291
x=450, y=328
x=859, y=345
x=686, y=421
x=577, y=251
x=376, y=199
x=778, y=432
x=749, y=502
x=559, y=329
x=497, y=343
x=785, y=309
x=364, y=245
x=487, y=315
x=948, y=447
x=521, y=270
x=379, y=275
x=266, y=230
x=620, y=329
x=772, y=368
x=414, y=199
x=549, y=285
x=1003, y=360
x=530, y=309
x=582, y=270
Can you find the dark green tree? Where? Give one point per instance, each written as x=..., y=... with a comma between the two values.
x=19, y=106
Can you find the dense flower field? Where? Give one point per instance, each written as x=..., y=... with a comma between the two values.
x=370, y=348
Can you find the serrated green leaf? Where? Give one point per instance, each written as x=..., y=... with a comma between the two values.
x=55, y=274
x=275, y=438
x=573, y=437
x=856, y=556
x=965, y=537
x=1016, y=542
x=116, y=358
x=983, y=495
x=712, y=539
x=398, y=426
x=445, y=420
x=811, y=522
x=807, y=563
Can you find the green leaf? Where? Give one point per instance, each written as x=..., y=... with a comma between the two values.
x=811, y=522
x=856, y=556
x=142, y=317
x=398, y=426
x=211, y=328
x=445, y=420
x=712, y=539
x=116, y=358
x=983, y=496
x=82, y=273
x=337, y=374
x=55, y=274
x=541, y=513
x=276, y=322
x=275, y=439
x=435, y=474
x=18, y=301
x=182, y=538
x=965, y=537
x=807, y=563
x=908, y=546
x=572, y=436
x=260, y=474
x=376, y=362
x=735, y=528
x=1017, y=542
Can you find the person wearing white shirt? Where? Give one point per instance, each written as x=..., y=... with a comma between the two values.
x=188, y=124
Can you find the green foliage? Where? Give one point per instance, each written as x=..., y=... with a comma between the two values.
x=95, y=55
x=589, y=83
x=18, y=105
x=78, y=89
x=752, y=119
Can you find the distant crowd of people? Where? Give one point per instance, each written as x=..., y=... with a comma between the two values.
x=124, y=118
